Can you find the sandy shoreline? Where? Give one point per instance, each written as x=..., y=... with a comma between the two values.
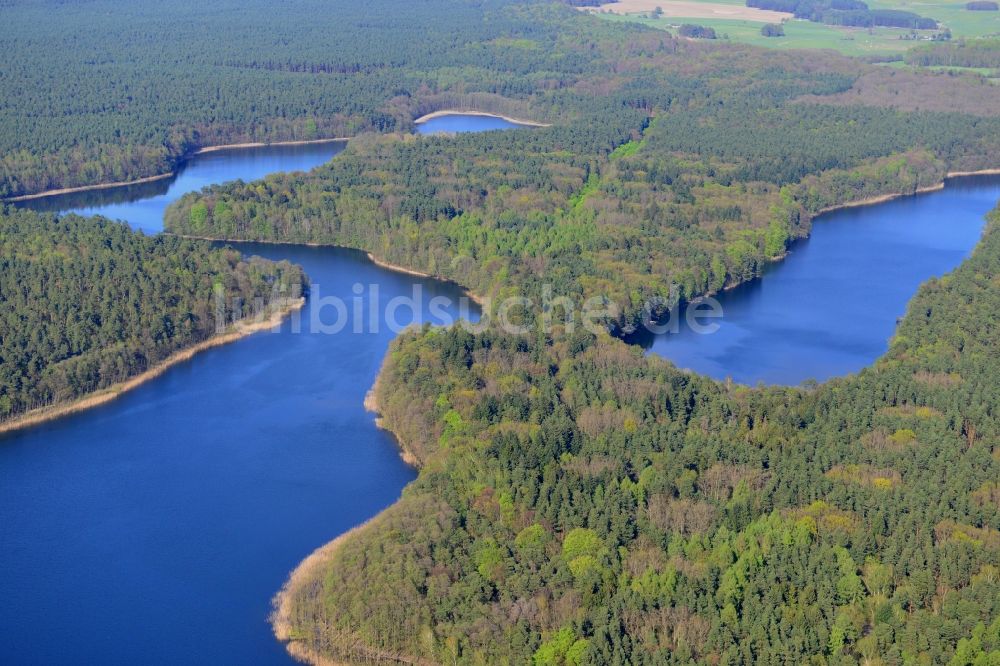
x=396, y=268
x=239, y=330
x=312, y=568
x=458, y=112
x=882, y=198
x=169, y=174
x=981, y=172
x=478, y=300
x=90, y=188
x=372, y=405
x=310, y=572
x=304, y=574
x=264, y=144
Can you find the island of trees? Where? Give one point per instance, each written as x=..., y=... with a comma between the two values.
x=693, y=31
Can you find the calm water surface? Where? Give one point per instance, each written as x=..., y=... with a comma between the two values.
x=155, y=529
x=831, y=306
x=457, y=122
x=142, y=205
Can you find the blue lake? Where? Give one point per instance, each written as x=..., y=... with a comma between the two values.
x=142, y=205
x=830, y=307
x=155, y=529
x=456, y=122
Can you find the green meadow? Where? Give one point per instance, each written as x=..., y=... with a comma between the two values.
x=801, y=34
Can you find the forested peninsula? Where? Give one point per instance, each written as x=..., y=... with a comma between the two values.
x=90, y=306
x=580, y=503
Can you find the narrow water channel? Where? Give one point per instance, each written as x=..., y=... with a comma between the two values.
x=156, y=528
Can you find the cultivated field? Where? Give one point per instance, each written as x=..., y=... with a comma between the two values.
x=736, y=22
x=695, y=9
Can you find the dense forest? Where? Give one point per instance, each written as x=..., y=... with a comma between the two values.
x=657, y=182
x=694, y=31
x=105, y=91
x=948, y=92
x=88, y=303
x=852, y=13
x=579, y=503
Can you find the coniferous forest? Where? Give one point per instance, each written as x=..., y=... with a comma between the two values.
x=106, y=91
x=577, y=502
x=88, y=303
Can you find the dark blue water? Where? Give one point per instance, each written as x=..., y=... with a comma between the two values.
x=831, y=306
x=155, y=529
x=142, y=205
x=457, y=122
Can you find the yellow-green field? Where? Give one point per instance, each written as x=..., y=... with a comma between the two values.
x=850, y=41
x=952, y=15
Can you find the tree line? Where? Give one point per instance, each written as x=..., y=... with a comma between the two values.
x=961, y=53
x=854, y=13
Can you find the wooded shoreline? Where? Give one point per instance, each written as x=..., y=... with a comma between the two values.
x=306, y=574
x=309, y=571
x=251, y=144
x=458, y=112
x=306, y=570
x=236, y=332
x=381, y=263
x=89, y=188
x=169, y=174
x=882, y=198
